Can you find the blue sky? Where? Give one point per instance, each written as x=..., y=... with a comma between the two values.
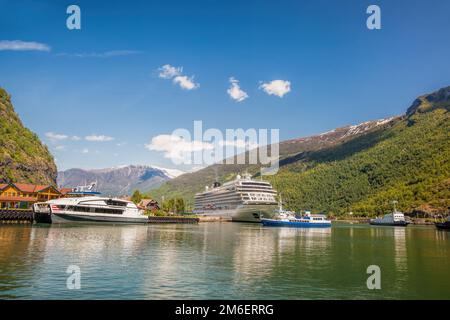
x=103, y=80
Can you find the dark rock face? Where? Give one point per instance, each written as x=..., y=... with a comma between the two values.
x=432, y=101
x=23, y=157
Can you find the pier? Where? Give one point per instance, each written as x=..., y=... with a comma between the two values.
x=168, y=219
x=16, y=216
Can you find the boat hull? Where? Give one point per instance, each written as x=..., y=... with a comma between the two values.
x=83, y=218
x=443, y=225
x=390, y=224
x=244, y=213
x=293, y=224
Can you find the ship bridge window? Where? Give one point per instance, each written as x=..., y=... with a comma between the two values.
x=111, y=202
x=94, y=210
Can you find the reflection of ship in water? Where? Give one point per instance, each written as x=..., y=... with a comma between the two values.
x=129, y=238
x=263, y=251
x=400, y=249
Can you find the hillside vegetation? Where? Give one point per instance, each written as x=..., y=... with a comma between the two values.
x=404, y=159
x=23, y=158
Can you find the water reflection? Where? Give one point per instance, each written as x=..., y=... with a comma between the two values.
x=222, y=260
x=401, y=254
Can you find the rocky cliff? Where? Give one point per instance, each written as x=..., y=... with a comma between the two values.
x=23, y=157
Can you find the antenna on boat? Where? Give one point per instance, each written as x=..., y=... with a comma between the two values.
x=394, y=203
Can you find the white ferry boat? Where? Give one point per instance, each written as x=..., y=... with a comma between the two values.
x=396, y=218
x=86, y=206
x=243, y=199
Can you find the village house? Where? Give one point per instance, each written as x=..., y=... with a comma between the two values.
x=23, y=195
x=148, y=204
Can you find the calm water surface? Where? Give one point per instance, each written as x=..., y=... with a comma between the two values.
x=223, y=261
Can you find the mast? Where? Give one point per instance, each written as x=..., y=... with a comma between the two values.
x=394, y=203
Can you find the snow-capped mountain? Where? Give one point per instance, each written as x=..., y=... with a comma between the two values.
x=120, y=180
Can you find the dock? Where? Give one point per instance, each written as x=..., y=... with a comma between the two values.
x=214, y=219
x=16, y=216
x=8, y=216
x=169, y=219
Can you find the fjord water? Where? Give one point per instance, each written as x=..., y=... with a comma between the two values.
x=223, y=261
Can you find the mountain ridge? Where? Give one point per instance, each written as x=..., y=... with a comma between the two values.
x=118, y=180
x=358, y=168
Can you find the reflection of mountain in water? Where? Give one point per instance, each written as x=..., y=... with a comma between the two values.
x=20, y=253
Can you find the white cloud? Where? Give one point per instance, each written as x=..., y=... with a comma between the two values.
x=98, y=138
x=106, y=54
x=75, y=138
x=61, y=147
x=176, y=74
x=19, y=45
x=235, y=91
x=55, y=136
x=276, y=87
x=186, y=83
x=85, y=150
x=175, y=147
x=168, y=72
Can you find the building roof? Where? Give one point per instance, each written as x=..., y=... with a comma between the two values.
x=65, y=190
x=19, y=199
x=26, y=187
x=146, y=202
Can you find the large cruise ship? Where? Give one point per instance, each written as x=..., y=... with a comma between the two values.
x=243, y=199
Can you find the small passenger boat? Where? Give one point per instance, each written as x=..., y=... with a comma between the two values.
x=308, y=220
x=443, y=225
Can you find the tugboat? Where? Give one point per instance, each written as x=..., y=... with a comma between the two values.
x=396, y=219
x=443, y=225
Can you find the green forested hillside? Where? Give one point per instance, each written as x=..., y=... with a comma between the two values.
x=23, y=158
x=407, y=161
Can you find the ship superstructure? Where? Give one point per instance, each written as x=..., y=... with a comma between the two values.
x=242, y=199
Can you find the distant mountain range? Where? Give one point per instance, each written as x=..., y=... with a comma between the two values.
x=359, y=168
x=122, y=180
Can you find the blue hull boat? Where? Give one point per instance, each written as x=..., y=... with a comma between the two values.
x=294, y=224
